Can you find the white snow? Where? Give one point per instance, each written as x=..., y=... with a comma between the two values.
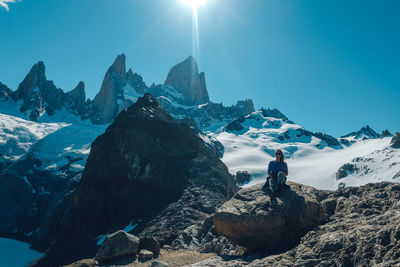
x=16, y=254
x=18, y=135
x=380, y=165
x=310, y=161
x=51, y=143
x=131, y=94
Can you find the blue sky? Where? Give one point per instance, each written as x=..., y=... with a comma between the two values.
x=329, y=65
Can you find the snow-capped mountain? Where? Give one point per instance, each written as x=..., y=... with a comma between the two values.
x=382, y=164
x=46, y=136
x=313, y=158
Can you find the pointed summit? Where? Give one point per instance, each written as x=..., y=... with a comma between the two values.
x=76, y=100
x=365, y=132
x=5, y=92
x=386, y=133
x=105, y=103
x=38, y=94
x=34, y=79
x=119, y=67
x=187, y=80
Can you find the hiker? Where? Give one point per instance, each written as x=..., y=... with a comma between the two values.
x=277, y=172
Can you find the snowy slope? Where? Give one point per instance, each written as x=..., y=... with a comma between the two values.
x=381, y=165
x=18, y=135
x=311, y=160
x=52, y=143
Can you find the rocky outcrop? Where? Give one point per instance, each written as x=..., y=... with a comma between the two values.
x=136, y=81
x=187, y=80
x=5, y=93
x=362, y=230
x=105, y=103
x=261, y=222
x=364, y=133
x=386, y=133
x=345, y=170
x=116, y=245
x=395, y=143
x=76, y=100
x=146, y=169
x=38, y=94
x=33, y=202
x=242, y=177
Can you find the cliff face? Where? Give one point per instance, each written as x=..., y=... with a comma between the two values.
x=105, y=104
x=146, y=169
x=38, y=95
x=187, y=80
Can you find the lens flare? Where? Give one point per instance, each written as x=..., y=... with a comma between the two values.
x=194, y=3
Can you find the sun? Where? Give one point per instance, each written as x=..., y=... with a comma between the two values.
x=194, y=3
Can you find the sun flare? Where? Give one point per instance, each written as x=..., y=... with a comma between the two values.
x=194, y=3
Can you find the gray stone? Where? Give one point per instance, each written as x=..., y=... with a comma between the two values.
x=158, y=264
x=260, y=222
x=145, y=255
x=116, y=245
x=151, y=244
x=187, y=80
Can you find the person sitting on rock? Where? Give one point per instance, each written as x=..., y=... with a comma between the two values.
x=277, y=172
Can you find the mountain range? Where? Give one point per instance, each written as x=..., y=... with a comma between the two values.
x=164, y=154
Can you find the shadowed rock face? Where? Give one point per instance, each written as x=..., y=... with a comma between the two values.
x=256, y=220
x=386, y=133
x=105, y=103
x=5, y=92
x=187, y=80
x=396, y=141
x=38, y=94
x=147, y=168
x=76, y=100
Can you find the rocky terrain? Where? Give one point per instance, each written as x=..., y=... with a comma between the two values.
x=361, y=229
x=147, y=170
x=302, y=226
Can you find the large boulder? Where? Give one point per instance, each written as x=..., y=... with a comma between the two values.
x=151, y=244
x=117, y=245
x=255, y=219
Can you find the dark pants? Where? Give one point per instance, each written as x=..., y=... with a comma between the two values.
x=277, y=181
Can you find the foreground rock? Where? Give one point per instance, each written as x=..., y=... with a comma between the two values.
x=362, y=230
x=116, y=245
x=147, y=170
x=260, y=222
x=145, y=255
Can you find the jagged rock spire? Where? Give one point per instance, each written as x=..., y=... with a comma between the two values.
x=105, y=103
x=187, y=80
